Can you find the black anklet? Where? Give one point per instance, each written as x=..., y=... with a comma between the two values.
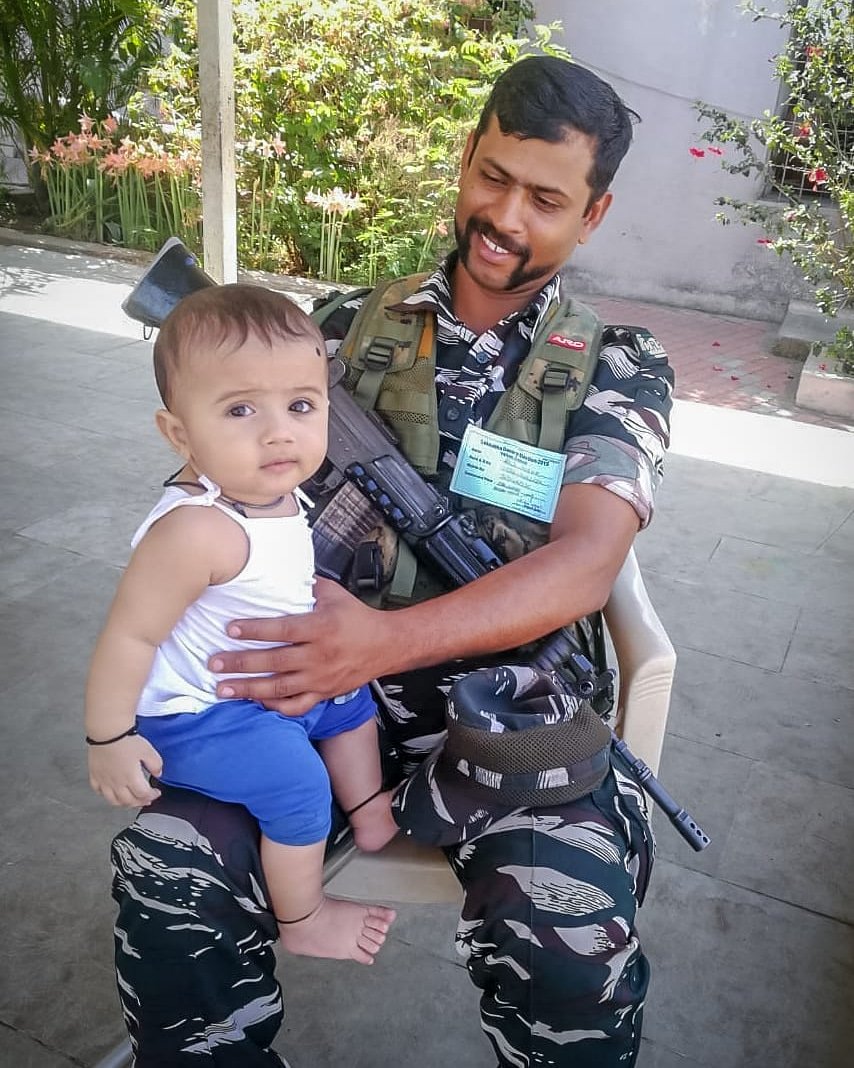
x=362, y=804
x=301, y=918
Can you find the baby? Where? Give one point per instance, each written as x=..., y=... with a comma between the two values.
x=242, y=374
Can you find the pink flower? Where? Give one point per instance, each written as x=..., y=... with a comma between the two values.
x=110, y=124
x=716, y=151
x=114, y=163
x=697, y=152
x=804, y=130
x=764, y=241
x=86, y=123
x=278, y=145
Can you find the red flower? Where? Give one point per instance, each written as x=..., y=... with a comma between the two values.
x=698, y=152
x=813, y=51
x=716, y=151
x=764, y=241
x=804, y=130
x=818, y=176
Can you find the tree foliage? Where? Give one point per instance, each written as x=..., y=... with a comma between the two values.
x=63, y=58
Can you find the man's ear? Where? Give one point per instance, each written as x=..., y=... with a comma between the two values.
x=171, y=427
x=594, y=215
x=468, y=152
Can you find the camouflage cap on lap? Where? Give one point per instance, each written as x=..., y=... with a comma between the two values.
x=515, y=740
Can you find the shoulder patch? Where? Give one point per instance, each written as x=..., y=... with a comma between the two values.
x=577, y=344
x=645, y=343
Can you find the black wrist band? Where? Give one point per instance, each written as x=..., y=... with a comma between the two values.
x=109, y=741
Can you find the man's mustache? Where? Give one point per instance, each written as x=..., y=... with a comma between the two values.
x=485, y=229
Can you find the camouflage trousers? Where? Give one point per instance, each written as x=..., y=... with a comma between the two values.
x=547, y=926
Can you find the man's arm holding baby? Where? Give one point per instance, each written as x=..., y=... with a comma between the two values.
x=175, y=561
x=345, y=643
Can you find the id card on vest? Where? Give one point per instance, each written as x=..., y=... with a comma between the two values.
x=509, y=474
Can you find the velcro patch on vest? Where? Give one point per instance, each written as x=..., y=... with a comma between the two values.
x=577, y=344
x=647, y=342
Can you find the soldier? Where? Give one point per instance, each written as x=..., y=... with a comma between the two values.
x=551, y=891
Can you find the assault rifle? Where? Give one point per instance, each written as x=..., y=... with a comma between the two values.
x=366, y=481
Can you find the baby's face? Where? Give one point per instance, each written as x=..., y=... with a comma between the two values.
x=254, y=418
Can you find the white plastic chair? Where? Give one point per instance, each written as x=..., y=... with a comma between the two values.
x=408, y=873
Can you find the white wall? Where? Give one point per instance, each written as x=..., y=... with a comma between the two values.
x=661, y=241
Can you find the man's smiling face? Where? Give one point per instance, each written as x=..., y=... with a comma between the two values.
x=523, y=206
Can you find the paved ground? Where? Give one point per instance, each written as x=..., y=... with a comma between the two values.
x=749, y=562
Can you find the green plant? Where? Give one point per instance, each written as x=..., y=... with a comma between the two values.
x=103, y=188
x=63, y=58
x=841, y=349
x=814, y=135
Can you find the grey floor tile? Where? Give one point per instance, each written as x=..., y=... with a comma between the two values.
x=120, y=474
x=741, y=512
x=710, y=785
x=405, y=1009
x=40, y=442
x=76, y=407
x=740, y=980
x=98, y=530
x=791, y=839
x=30, y=492
x=803, y=579
x=793, y=723
x=840, y=545
x=21, y=1050
x=52, y=630
x=738, y=626
x=676, y=548
x=26, y=565
x=428, y=929
x=823, y=648
x=656, y=1055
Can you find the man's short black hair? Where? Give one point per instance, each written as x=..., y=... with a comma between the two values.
x=545, y=97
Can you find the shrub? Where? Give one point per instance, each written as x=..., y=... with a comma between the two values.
x=63, y=58
x=813, y=139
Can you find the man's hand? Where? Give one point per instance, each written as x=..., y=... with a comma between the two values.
x=331, y=651
x=118, y=771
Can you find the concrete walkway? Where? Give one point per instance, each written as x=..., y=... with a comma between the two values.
x=749, y=562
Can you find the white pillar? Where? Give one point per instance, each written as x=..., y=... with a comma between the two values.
x=219, y=193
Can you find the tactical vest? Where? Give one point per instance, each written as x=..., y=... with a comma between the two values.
x=390, y=356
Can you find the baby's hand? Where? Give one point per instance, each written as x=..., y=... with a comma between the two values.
x=118, y=771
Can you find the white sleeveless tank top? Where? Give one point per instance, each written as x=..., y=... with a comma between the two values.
x=277, y=580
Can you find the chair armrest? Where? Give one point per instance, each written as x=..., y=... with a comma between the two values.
x=646, y=662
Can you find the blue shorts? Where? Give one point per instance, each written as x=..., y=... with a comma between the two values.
x=241, y=752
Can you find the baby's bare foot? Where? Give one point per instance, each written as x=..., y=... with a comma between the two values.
x=343, y=930
x=372, y=823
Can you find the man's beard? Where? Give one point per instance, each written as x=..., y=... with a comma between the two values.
x=521, y=276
